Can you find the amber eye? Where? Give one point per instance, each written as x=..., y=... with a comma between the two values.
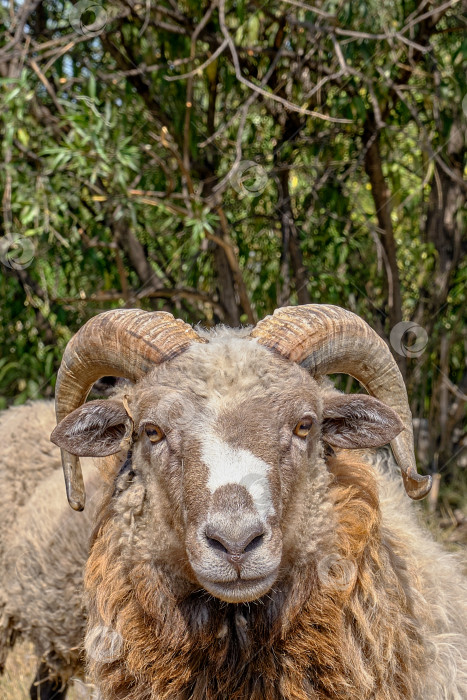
x=154, y=433
x=303, y=427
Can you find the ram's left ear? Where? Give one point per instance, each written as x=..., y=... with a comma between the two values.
x=95, y=429
x=358, y=421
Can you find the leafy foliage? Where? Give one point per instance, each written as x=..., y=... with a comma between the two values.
x=248, y=183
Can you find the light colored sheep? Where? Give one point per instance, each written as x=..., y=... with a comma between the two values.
x=253, y=546
x=25, y=443
x=43, y=549
x=28, y=457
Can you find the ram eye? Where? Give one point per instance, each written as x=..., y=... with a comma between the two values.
x=154, y=433
x=303, y=427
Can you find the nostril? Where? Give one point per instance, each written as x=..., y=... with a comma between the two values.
x=234, y=547
x=216, y=544
x=254, y=544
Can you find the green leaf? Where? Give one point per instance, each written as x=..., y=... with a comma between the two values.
x=23, y=136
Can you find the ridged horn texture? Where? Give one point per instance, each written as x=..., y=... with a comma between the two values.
x=120, y=343
x=327, y=339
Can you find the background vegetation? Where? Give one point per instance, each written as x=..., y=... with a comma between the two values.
x=220, y=159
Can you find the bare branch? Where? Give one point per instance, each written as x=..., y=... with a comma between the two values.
x=173, y=294
x=220, y=187
x=199, y=69
x=431, y=13
x=269, y=95
x=310, y=8
x=47, y=86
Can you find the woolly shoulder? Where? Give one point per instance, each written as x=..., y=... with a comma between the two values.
x=441, y=575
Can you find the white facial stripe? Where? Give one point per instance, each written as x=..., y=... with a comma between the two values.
x=231, y=465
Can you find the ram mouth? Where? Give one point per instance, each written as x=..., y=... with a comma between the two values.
x=239, y=590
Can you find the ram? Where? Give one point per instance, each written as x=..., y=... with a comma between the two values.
x=252, y=545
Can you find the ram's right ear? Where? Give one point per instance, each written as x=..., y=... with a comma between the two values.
x=95, y=429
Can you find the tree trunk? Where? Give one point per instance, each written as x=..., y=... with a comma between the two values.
x=443, y=230
x=130, y=245
x=225, y=287
x=382, y=200
x=290, y=242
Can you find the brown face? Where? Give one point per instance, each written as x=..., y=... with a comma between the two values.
x=228, y=450
x=225, y=437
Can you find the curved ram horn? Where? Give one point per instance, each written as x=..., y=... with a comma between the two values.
x=327, y=339
x=122, y=343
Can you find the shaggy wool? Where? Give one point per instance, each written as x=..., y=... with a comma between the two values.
x=43, y=543
x=382, y=623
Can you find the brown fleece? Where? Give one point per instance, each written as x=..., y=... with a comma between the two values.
x=353, y=634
